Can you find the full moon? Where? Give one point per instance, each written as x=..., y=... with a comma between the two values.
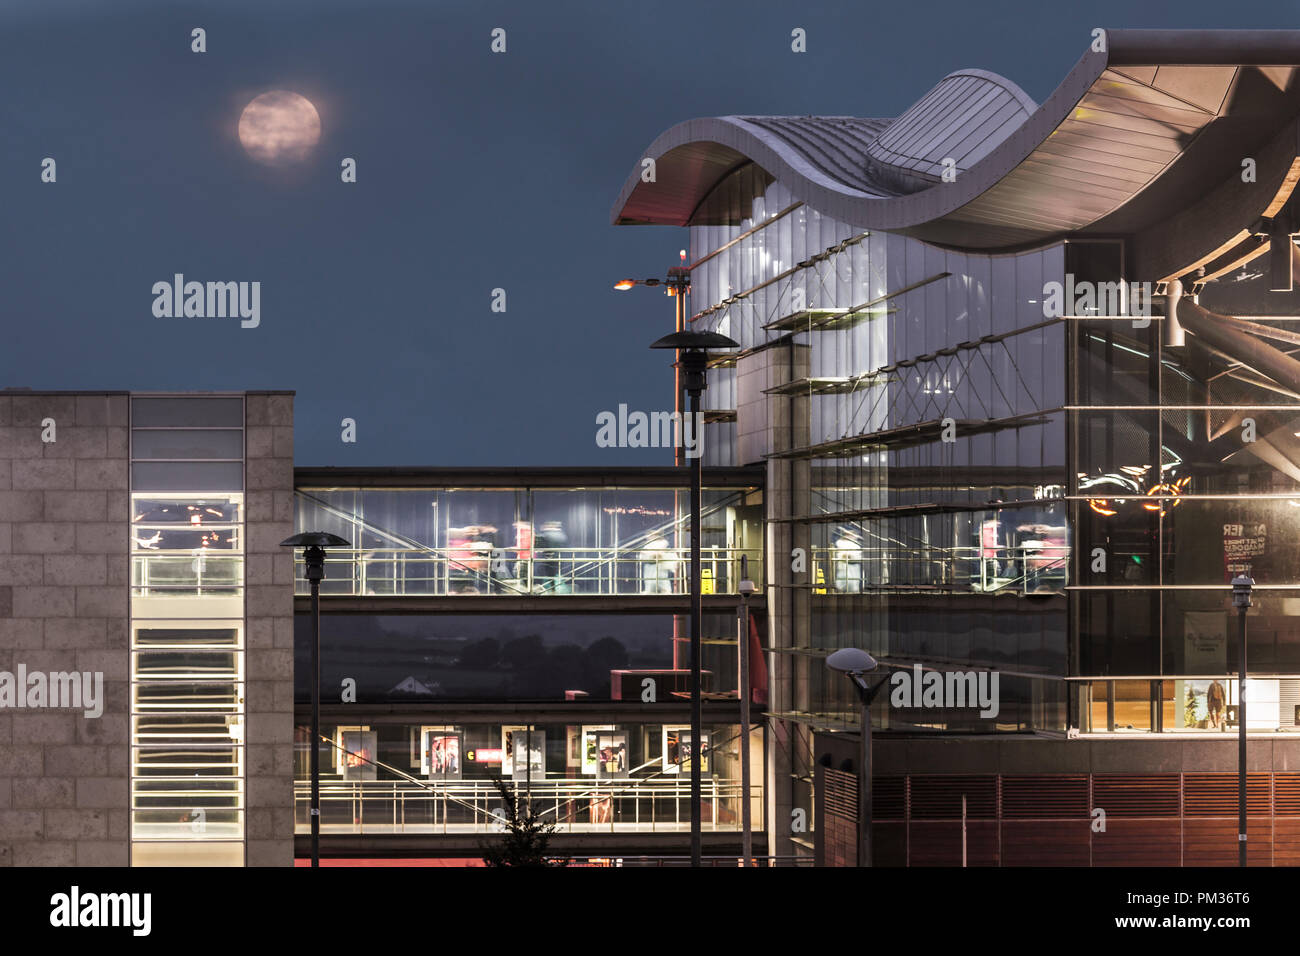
x=279, y=127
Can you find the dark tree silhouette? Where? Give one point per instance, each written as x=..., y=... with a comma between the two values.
x=526, y=838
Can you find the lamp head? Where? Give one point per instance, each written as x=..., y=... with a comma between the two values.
x=1241, y=586
x=851, y=660
x=694, y=347
x=314, y=544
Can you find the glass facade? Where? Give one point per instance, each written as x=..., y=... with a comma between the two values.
x=926, y=400
x=432, y=776
x=529, y=541
x=415, y=658
x=1186, y=475
x=187, y=631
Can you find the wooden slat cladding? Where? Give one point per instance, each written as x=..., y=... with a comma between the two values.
x=1286, y=841
x=1136, y=795
x=1169, y=819
x=1044, y=796
x=939, y=797
x=931, y=843
x=1215, y=794
x=1214, y=842
x=1139, y=843
x=1045, y=843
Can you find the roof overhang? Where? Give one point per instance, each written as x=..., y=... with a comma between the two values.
x=1134, y=135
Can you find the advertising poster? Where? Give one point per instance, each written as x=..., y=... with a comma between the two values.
x=520, y=749
x=358, y=754
x=591, y=747
x=612, y=757
x=684, y=749
x=1243, y=545
x=442, y=758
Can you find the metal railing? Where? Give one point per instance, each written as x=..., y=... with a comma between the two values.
x=1023, y=570
x=685, y=861
x=427, y=572
x=474, y=806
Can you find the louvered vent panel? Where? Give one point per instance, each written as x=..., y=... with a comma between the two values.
x=841, y=796
x=939, y=797
x=888, y=798
x=1136, y=795
x=1044, y=796
x=1286, y=794
x=1288, y=701
x=1215, y=794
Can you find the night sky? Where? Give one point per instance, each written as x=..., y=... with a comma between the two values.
x=475, y=171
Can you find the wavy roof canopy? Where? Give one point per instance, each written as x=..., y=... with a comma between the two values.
x=1132, y=136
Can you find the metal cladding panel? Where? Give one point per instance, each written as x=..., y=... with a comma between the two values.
x=836, y=146
x=963, y=119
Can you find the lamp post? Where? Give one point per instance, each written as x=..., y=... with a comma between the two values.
x=314, y=544
x=692, y=351
x=1241, y=586
x=858, y=663
x=677, y=284
x=746, y=588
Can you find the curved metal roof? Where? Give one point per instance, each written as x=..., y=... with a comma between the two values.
x=1178, y=109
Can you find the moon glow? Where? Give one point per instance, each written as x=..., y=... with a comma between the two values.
x=279, y=128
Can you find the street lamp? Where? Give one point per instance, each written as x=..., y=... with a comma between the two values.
x=677, y=285
x=314, y=544
x=692, y=360
x=858, y=663
x=1241, y=586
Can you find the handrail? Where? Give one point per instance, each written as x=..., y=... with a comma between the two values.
x=542, y=571
x=847, y=570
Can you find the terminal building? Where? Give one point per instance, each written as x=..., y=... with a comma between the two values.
x=1015, y=396
x=1022, y=380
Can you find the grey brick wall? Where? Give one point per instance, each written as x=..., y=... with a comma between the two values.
x=268, y=448
x=64, y=516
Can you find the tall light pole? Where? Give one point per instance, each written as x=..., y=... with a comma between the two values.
x=857, y=664
x=1241, y=586
x=692, y=350
x=746, y=588
x=314, y=544
x=676, y=285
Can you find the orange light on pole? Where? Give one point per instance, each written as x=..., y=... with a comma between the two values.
x=622, y=285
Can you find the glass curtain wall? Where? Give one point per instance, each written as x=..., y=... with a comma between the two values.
x=1188, y=473
x=936, y=446
x=529, y=541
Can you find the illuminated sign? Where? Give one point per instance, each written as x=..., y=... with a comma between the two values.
x=484, y=755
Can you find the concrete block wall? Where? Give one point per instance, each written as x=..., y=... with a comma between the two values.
x=268, y=450
x=64, y=575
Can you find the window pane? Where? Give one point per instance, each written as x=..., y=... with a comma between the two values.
x=192, y=412
x=179, y=443
x=188, y=476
